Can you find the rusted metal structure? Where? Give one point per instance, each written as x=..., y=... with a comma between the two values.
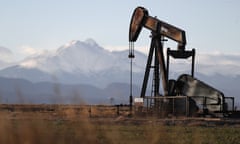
x=186, y=95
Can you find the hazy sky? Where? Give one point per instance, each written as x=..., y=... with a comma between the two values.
x=25, y=25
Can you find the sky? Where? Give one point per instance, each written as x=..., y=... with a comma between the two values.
x=30, y=26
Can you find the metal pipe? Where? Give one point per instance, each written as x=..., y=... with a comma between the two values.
x=193, y=61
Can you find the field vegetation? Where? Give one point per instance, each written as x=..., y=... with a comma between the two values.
x=59, y=124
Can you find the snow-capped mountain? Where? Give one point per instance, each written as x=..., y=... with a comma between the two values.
x=88, y=63
x=85, y=62
x=77, y=62
x=76, y=57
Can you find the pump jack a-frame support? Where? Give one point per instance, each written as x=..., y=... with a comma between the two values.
x=156, y=52
x=156, y=48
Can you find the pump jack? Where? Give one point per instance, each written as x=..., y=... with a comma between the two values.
x=212, y=100
x=159, y=30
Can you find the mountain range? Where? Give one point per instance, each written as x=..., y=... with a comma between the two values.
x=76, y=63
x=84, y=70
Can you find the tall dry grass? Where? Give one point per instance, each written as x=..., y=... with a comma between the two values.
x=68, y=126
x=37, y=130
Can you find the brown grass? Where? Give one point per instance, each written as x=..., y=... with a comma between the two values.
x=72, y=124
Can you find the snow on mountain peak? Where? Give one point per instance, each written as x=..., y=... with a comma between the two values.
x=88, y=45
x=71, y=43
x=91, y=42
x=88, y=42
x=85, y=57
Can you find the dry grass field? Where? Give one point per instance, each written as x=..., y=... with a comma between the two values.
x=75, y=124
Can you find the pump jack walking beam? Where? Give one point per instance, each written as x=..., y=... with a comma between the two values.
x=140, y=18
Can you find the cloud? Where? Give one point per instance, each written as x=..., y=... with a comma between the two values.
x=29, y=63
x=143, y=49
x=26, y=51
x=207, y=63
x=29, y=51
x=6, y=54
x=227, y=64
x=219, y=59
